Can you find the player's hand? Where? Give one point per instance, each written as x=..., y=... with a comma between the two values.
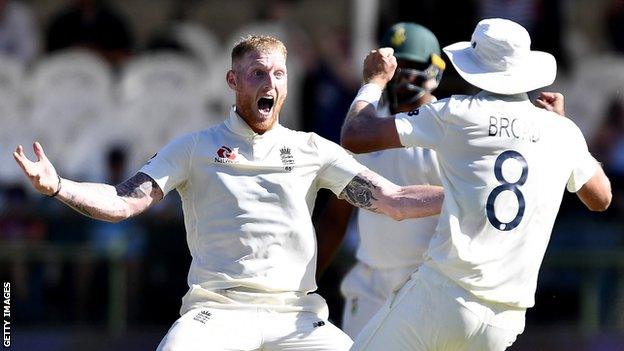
x=41, y=173
x=551, y=102
x=379, y=66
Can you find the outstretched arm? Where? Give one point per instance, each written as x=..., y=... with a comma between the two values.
x=362, y=130
x=96, y=200
x=370, y=191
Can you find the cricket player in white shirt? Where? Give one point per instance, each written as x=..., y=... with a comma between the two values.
x=384, y=263
x=505, y=164
x=248, y=187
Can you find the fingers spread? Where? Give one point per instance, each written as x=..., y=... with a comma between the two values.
x=25, y=164
x=38, y=151
x=17, y=156
x=19, y=153
x=21, y=161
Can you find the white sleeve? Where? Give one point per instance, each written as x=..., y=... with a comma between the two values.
x=423, y=126
x=170, y=167
x=338, y=167
x=585, y=165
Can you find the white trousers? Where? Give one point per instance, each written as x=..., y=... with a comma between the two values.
x=365, y=290
x=208, y=329
x=431, y=313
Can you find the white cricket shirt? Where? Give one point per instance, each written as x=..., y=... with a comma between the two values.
x=504, y=164
x=384, y=242
x=247, y=200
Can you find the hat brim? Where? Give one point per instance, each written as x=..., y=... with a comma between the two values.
x=537, y=70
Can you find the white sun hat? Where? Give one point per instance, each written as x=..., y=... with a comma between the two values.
x=499, y=59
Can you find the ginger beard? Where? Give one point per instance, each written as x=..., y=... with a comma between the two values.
x=260, y=83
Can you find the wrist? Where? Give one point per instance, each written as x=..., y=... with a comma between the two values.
x=378, y=81
x=370, y=93
x=58, y=187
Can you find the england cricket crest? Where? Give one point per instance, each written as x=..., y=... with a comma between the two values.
x=287, y=159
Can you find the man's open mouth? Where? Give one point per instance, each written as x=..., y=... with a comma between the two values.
x=265, y=104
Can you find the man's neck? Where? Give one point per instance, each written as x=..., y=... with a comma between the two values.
x=257, y=129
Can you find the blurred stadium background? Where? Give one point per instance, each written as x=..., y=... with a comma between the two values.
x=104, y=84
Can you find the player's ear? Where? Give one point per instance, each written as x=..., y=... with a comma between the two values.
x=230, y=78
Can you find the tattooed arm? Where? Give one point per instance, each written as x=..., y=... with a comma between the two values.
x=99, y=201
x=369, y=190
x=111, y=203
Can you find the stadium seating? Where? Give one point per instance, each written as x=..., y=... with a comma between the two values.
x=161, y=96
x=70, y=104
x=13, y=126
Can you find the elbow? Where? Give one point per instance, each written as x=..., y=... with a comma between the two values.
x=118, y=217
x=399, y=217
x=115, y=219
x=603, y=201
x=602, y=204
x=596, y=194
x=397, y=214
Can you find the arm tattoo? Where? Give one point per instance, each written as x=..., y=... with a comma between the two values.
x=359, y=192
x=139, y=186
x=77, y=206
x=105, y=202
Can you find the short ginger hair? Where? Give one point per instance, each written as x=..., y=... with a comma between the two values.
x=257, y=43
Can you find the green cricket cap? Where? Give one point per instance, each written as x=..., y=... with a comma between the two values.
x=411, y=41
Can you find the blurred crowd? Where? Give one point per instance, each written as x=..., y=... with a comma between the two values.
x=102, y=99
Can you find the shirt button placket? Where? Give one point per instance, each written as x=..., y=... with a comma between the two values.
x=255, y=147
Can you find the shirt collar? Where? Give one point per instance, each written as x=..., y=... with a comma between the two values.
x=237, y=124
